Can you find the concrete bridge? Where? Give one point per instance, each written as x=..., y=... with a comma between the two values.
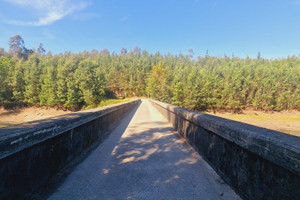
x=147, y=150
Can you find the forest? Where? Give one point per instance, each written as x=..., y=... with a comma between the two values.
x=32, y=77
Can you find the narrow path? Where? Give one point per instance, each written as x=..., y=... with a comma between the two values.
x=146, y=161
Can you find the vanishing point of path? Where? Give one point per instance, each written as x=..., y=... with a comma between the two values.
x=143, y=158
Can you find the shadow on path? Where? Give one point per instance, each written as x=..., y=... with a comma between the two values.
x=155, y=164
x=146, y=160
x=59, y=179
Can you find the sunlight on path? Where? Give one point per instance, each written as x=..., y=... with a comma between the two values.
x=146, y=161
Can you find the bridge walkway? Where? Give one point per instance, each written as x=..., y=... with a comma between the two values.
x=143, y=158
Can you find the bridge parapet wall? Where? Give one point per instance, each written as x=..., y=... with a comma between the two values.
x=33, y=152
x=258, y=163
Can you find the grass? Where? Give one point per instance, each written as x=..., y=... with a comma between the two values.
x=286, y=122
x=21, y=115
x=264, y=117
x=106, y=103
x=112, y=101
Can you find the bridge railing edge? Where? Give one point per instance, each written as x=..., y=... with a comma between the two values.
x=32, y=153
x=18, y=137
x=266, y=145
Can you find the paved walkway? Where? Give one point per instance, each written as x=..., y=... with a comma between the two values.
x=143, y=160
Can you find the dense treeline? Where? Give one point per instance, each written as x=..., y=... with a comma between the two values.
x=73, y=80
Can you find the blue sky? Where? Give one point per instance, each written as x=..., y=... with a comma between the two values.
x=239, y=27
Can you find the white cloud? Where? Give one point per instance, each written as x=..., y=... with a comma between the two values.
x=48, y=11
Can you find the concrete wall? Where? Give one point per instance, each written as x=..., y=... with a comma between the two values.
x=258, y=163
x=33, y=152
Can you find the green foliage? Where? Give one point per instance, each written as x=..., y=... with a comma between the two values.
x=17, y=47
x=178, y=95
x=48, y=92
x=6, y=72
x=33, y=69
x=87, y=79
x=157, y=82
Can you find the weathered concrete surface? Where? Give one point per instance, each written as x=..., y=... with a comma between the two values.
x=31, y=153
x=147, y=161
x=257, y=162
